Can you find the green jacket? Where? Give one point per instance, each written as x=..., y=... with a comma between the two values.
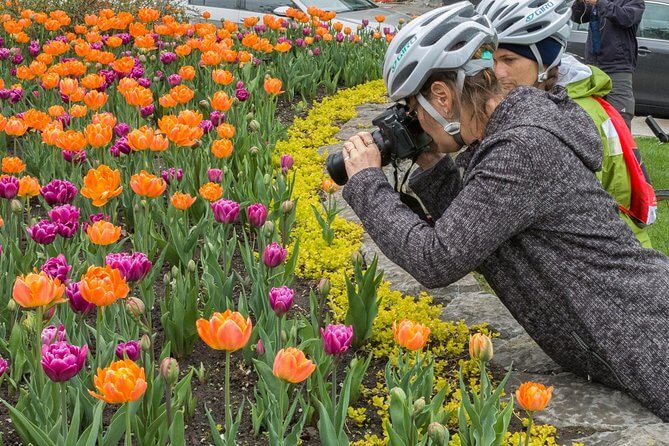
x=582, y=83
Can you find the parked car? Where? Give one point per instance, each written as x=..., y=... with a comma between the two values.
x=650, y=88
x=349, y=12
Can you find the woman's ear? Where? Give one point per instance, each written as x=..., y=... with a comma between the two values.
x=442, y=94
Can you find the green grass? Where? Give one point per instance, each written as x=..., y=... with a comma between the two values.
x=656, y=159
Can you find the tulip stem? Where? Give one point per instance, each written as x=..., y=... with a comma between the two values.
x=128, y=426
x=278, y=333
x=228, y=410
x=529, y=428
x=334, y=391
x=98, y=337
x=39, y=312
x=168, y=404
x=63, y=408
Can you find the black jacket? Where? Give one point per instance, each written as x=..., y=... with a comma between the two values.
x=531, y=216
x=618, y=23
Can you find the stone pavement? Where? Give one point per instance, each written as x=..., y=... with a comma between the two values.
x=602, y=416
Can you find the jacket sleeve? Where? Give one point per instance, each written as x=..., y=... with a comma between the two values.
x=625, y=13
x=499, y=201
x=438, y=186
x=580, y=13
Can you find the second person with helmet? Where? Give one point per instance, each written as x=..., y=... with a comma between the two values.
x=531, y=52
x=528, y=211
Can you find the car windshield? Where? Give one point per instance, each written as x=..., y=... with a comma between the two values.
x=340, y=5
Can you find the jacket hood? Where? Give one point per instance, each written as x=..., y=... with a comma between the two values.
x=553, y=112
x=582, y=80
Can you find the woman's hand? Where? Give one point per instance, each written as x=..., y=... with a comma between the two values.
x=360, y=152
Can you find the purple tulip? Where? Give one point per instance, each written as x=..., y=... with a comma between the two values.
x=217, y=117
x=65, y=213
x=61, y=360
x=174, y=80
x=133, y=266
x=257, y=214
x=365, y=22
x=9, y=187
x=77, y=302
x=121, y=129
x=206, y=125
x=4, y=53
x=53, y=334
x=74, y=157
x=286, y=163
x=57, y=268
x=168, y=57
x=142, y=81
x=274, y=255
x=172, y=174
x=215, y=175
x=44, y=232
x=130, y=350
x=58, y=192
x=339, y=37
x=147, y=111
x=3, y=366
x=337, y=338
x=281, y=300
x=225, y=211
x=242, y=94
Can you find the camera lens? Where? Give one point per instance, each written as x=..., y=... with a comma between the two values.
x=336, y=168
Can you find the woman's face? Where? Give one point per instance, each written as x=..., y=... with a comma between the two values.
x=441, y=100
x=513, y=70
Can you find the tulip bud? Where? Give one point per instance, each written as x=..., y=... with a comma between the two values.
x=175, y=271
x=169, y=370
x=156, y=79
x=142, y=58
x=145, y=343
x=153, y=58
x=205, y=103
x=16, y=206
x=324, y=287
x=480, y=347
x=249, y=116
x=192, y=267
x=357, y=257
x=438, y=434
x=225, y=170
x=418, y=405
x=398, y=393
x=287, y=206
x=254, y=125
x=260, y=347
x=254, y=150
x=12, y=305
x=267, y=178
x=135, y=306
x=167, y=278
x=268, y=228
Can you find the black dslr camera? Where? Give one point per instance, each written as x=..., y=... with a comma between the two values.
x=399, y=136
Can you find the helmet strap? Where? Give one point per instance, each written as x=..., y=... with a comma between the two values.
x=452, y=128
x=543, y=75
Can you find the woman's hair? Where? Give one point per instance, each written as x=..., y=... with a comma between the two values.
x=551, y=80
x=476, y=92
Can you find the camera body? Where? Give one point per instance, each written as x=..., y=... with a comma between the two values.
x=399, y=136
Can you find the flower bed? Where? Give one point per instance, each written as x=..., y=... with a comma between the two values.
x=162, y=236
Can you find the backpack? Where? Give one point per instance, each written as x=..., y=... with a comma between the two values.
x=643, y=203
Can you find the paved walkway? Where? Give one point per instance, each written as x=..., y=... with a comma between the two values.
x=607, y=417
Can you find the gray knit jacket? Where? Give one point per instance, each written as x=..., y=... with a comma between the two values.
x=531, y=216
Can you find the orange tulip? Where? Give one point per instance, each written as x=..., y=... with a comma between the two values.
x=12, y=165
x=138, y=96
x=98, y=135
x=533, y=396
x=380, y=18
x=103, y=286
x=56, y=111
x=146, y=185
x=28, y=187
x=106, y=119
x=182, y=94
x=71, y=141
x=480, y=347
x=93, y=81
x=328, y=186
x=222, y=77
x=227, y=331
x=190, y=118
x=226, y=130
x=282, y=47
x=273, y=86
x=37, y=290
x=292, y=366
x=122, y=382
x=221, y=101
x=68, y=86
x=141, y=138
x=159, y=143
x=102, y=184
x=187, y=72
x=103, y=233
x=410, y=335
x=15, y=127
x=95, y=99
x=211, y=191
x=250, y=22
x=78, y=111
x=222, y=148
x=36, y=119
x=182, y=201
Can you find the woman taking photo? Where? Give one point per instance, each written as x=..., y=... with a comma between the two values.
x=528, y=213
x=525, y=45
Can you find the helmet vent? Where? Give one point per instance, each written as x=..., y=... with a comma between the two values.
x=401, y=45
x=403, y=75
x=436, y=33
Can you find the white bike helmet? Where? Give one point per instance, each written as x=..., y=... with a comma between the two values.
x=528, y=22
x=444, y=39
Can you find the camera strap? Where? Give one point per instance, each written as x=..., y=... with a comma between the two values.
x=409, y=200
